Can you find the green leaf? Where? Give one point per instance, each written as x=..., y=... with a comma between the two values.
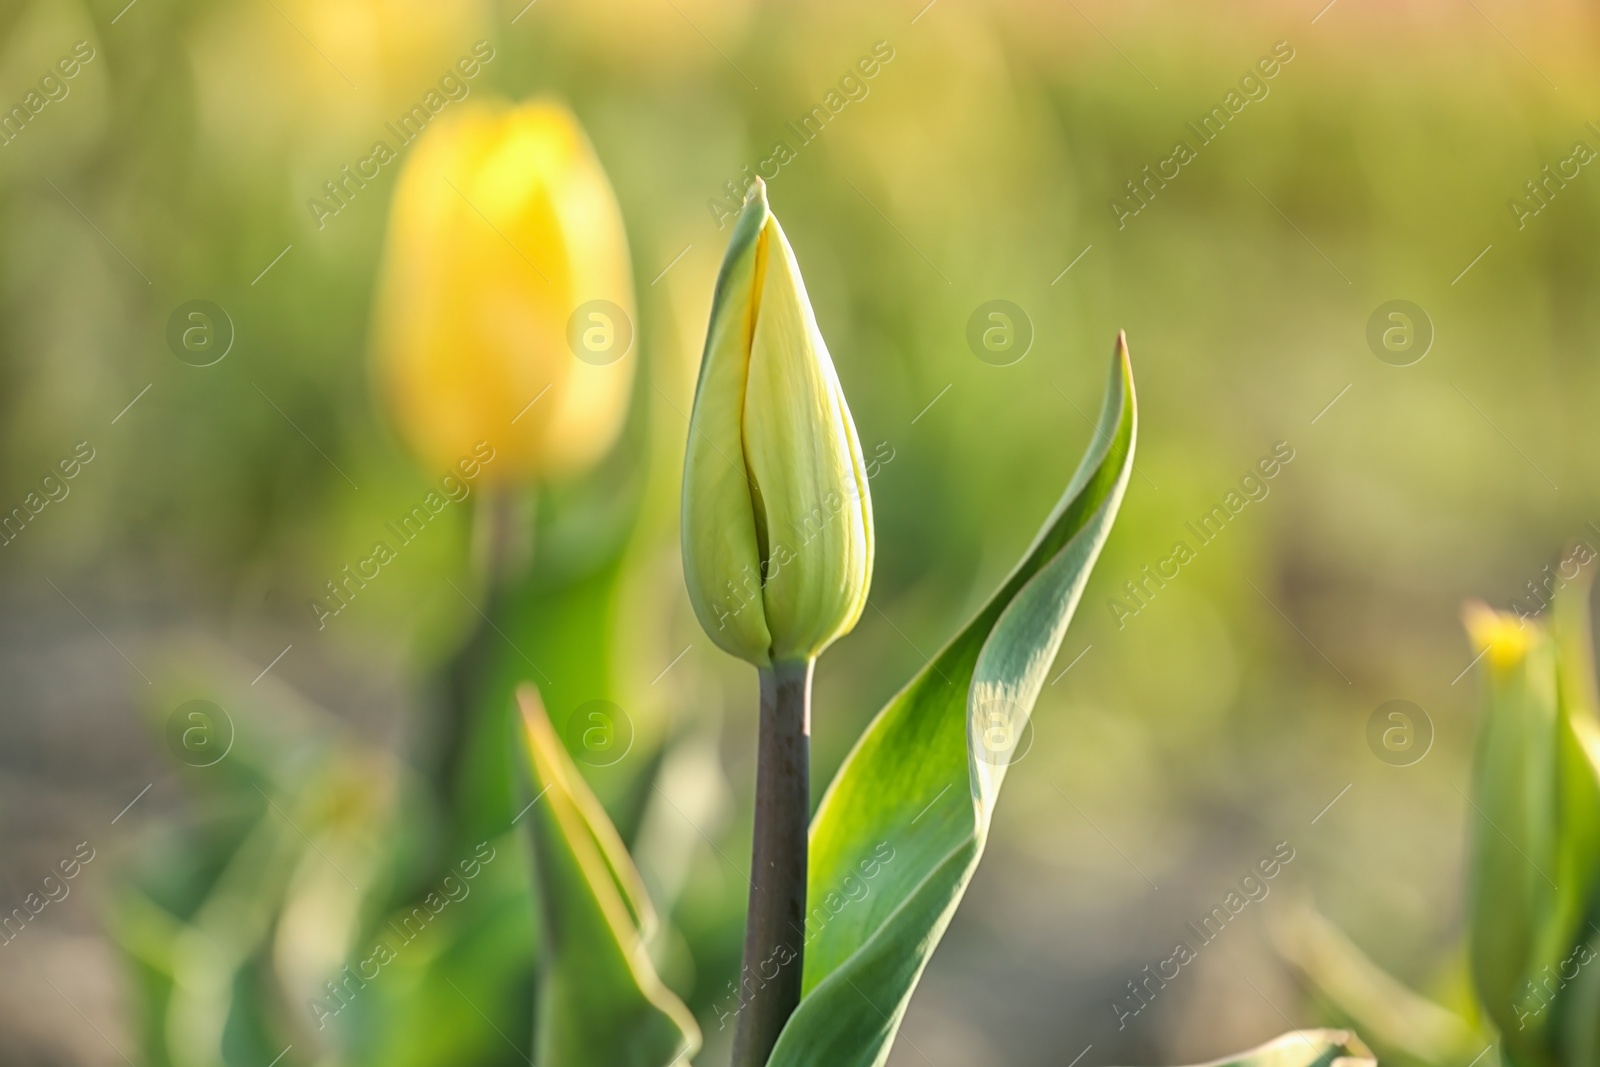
x=1572, y=930
x=211, y=915
x=1536, y=865
x=1511, y=888
x=600, y=1001
x=1303, y=1048
x=900, y=831
x=1396, y=1019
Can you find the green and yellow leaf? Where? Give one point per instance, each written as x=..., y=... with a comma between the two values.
x=912, y=802
x=601, y=1003
x=1303, y=1048
x=1513, y=823
x=1395, y=1018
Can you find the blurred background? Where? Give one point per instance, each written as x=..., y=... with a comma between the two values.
x=1188, y=731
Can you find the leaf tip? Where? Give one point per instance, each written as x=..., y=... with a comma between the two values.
x=535, y=719
x=531, y=703
x=1122, y=362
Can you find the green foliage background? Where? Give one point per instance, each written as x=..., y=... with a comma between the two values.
x=1220, y=719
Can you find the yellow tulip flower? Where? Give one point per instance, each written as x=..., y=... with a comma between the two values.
x=505, y=310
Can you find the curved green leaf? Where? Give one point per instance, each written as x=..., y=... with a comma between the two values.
x=1303, y=1048
x=900, y=830
x=1510, y=886
x=1571, y=938
x=1395, y=1018
x=600, y=1001
x=1535, y=885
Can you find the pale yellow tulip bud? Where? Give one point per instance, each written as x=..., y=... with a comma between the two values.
x=505, y=310
x=777, y=521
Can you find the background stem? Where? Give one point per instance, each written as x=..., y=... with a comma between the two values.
x=774, y=937
x=502, y=545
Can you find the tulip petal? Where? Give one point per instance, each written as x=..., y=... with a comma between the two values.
x=802, y=452
x=721, y=554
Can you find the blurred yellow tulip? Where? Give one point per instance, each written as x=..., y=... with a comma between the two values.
x=505, y=309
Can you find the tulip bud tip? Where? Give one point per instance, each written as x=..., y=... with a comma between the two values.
x=757, y=191
x=1500, y=634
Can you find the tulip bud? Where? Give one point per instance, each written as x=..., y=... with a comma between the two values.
x=503, y=235
x=777, y=521
x=1514, y=816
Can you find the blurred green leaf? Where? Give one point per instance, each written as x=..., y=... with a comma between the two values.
x=1536, y=866
x=923, y=779
x=1570, y=930
x=600, y=1001
x=1513, y=828
x=1392, y=1016
x=1303, y=1048
x=231, y=927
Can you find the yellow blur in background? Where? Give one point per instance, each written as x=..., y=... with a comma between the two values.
x=501, y=226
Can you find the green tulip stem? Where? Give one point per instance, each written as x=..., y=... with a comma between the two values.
x=774, y=938
x=501, y=554
x=502, y=536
